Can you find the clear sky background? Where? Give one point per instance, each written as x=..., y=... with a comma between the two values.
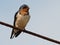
x=45, y=20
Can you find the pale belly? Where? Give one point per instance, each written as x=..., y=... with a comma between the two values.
x=22, y=22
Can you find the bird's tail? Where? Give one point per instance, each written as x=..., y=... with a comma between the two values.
x=12, y=35
x=17, y=34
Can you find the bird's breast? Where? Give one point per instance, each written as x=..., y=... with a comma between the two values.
x=22, y=21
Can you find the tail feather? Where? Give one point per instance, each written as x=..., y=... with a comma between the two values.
x=12, y=35
x=17, y=34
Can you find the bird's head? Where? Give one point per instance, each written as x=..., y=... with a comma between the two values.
x=24, y=10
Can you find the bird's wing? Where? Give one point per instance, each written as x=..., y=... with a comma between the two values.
x=13, y=25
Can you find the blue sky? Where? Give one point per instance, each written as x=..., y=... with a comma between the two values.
x=45, y=20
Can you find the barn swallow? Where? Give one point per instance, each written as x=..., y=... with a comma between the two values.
x=21, y=19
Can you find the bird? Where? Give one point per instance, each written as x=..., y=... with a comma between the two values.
x=21, y=19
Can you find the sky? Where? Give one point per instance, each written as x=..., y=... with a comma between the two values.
x=45, y=20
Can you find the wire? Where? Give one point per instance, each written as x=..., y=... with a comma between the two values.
x=29, y=32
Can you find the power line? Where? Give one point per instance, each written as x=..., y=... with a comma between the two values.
x=32, y=33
